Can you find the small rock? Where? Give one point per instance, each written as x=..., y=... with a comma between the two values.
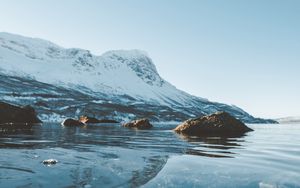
x=49, y=162
x=72, y=122
x=139, y=124
x=87, y=119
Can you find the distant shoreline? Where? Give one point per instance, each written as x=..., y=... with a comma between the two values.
x=288, y=120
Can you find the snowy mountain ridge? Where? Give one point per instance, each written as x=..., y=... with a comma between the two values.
x=122, y=77
x=114, y=72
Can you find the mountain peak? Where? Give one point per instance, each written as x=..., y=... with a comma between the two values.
x=139, y=62
x=133, y=53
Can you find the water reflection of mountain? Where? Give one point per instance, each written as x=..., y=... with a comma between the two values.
x=11, y=136
x=80, y=138
x=213, y=146
x=114, y=148
x=104, y=144
x=111, y=156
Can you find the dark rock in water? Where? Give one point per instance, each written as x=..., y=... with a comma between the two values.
x=14, y=114
x=139, y=124
x=87, y=119
x=72, y=123
x=49, y=162
x=220, y=123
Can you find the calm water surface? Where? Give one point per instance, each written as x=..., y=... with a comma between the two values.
x=107, y=155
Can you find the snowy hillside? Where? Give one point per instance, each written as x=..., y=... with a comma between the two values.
x=123, y=83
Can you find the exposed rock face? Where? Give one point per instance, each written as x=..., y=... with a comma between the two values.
x=72, y=123
x=14, y=114
x=87, y=119
x=139, y=124
x=220, y=123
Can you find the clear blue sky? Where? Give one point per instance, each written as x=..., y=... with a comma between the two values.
x=245, y=53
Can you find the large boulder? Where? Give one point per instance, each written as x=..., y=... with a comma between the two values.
x=139, y=124
x=72, y=122
x=87, y=119
x=220, y=123
x=15, y=114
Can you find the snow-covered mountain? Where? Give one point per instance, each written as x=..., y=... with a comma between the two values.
x=123, y=84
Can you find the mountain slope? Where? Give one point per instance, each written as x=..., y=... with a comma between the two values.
x=69, y=82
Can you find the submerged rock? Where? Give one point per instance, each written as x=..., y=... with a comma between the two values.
x=15, y=114
x=220, y=123
x=72, y=122
x=49, y=162
x=139, y=124
x=87, y=119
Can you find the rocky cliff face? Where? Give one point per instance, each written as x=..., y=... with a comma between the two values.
x=125, y=84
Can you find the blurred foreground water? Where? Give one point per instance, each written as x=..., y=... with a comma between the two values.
x=108, y=155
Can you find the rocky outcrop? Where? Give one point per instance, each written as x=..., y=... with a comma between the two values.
x=139, y=124
x=220, y=123
x=15, y=114
x=72, y=123
x=87, y=119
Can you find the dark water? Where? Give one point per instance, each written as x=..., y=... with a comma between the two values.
x=108, y=155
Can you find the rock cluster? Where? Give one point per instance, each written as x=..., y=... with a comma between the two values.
x=220, y=123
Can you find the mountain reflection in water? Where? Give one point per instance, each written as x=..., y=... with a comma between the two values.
x=213, y=146
x=108, y=155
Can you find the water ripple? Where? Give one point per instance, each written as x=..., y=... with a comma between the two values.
x=111, y=156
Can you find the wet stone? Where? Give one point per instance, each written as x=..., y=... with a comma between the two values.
x=50, y=162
